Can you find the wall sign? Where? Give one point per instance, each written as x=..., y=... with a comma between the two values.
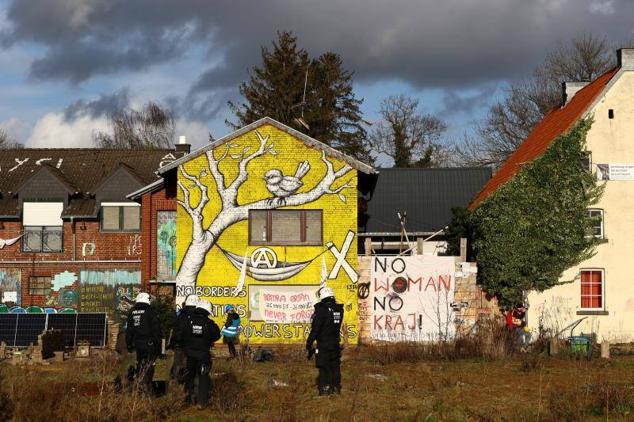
x=409, y=297
x=615, y=171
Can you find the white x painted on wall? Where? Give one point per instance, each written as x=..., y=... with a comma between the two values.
x=341, y=258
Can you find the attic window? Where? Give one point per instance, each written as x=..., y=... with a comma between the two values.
x=611, y=114
x=285, y=227
x=120, y=217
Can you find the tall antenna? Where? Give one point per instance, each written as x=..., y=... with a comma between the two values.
x=300, y=120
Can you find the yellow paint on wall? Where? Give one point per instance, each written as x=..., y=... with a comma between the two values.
x=339, y=217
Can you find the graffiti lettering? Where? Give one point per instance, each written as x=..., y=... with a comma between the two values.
x=411, y=293
x=208, y=291
x=397, y=265
x=20, y=162
x=289, y=331
x=134, y=247
x=88, y=249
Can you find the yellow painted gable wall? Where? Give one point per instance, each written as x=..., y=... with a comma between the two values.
x=339, y=218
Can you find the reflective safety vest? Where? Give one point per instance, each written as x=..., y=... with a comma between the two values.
x=233, y=330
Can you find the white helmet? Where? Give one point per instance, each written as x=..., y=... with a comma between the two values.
x=204, y=304
x=192, y=300
x=325, y=292
x=143, y=298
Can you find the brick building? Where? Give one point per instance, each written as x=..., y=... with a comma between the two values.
x=265, y=215
x=69, y=237
x=158, y=233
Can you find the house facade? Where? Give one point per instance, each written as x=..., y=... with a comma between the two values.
x=266, y=216
x=598, y=292
x=69, y=237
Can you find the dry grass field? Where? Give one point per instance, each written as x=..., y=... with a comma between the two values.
x=379, y=383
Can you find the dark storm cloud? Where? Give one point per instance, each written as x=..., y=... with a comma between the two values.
x=457, y=102
x=428, y=43
x=102, y=106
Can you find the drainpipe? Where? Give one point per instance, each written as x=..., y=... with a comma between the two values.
x=72, y=227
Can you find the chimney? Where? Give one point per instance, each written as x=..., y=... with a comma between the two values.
x=570, y=89
x=625, y=58
x=182, y=146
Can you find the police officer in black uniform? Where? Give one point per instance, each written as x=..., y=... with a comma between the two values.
x=143, y=334
x=181, y=325
x=325, y=329
x=197, y=340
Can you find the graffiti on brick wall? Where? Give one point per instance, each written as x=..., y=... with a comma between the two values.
x=134, y=245
x=88, y=248
x=9, y=242
x=267, y=170
x=111, y=291
x=410, y=298
x=166, y=245
x=64, y=291
x=10, y=285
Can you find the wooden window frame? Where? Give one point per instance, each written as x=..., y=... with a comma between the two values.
x=591, y=270
x=602, y=235
x=43, y=291
x=303, y=227
x=121, y=219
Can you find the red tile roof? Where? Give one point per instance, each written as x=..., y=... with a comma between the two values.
x=555, y=123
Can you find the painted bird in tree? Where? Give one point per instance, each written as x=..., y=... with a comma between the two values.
x=282, y=186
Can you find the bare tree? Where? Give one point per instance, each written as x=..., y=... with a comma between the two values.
x=150, y=127
x=7, y=142
x=204, y=237
x=408, y=136
x=510, y=121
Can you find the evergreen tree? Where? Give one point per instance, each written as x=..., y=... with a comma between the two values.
x=329, y=111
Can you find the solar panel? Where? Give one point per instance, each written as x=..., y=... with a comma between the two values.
x=7, y=328
x=21, y=330
x=92, y=328
x=66, y=323
x=29, y=326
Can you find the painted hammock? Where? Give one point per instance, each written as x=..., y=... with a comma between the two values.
x=281, y=271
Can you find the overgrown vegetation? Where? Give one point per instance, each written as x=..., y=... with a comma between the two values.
x=534, y=227
x=412, y=384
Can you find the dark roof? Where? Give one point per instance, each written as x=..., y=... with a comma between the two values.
x=427, y=195
x=81, y=207
x=555, y=123
x=80, y=169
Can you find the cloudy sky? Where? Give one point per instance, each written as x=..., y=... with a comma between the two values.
x=64, y=64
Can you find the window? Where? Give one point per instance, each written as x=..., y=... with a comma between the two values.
x=43, y=239
x=40, y=286
x=586, y=161
x=120, y=218
x=597, y=223
x=285, y=227
x=591, y=289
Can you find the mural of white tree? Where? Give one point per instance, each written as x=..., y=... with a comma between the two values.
x=204, y=238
